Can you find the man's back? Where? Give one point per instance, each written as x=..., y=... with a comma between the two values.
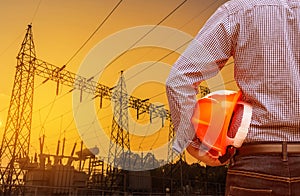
x=266, y=51
x=263, y=36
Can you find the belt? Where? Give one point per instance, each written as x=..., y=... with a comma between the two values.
x=283, y=148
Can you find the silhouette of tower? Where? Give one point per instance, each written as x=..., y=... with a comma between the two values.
x=16, y=137
x=119, y=138
x=119, y=148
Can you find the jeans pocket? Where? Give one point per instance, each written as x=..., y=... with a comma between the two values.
x=239, y=191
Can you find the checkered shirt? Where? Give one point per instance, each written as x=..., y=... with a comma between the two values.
x=263, y=37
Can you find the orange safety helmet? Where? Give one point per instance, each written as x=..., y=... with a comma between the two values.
x=214, y=115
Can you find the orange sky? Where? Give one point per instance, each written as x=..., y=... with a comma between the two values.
x=59, y=30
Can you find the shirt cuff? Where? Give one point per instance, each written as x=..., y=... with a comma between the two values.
x=180, y=145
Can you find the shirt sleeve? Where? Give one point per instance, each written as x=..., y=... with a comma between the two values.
x=203, y=59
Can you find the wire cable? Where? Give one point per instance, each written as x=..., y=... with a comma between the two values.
x=142, y=37
x=97, y=29
x=36, y=10
x=11, y=44
x=164, y=92
x=193, y=18
x=173, y=51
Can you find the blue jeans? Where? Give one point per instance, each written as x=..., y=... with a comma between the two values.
x=261, y=175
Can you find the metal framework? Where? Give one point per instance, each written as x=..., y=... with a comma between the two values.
x=16, y=139
x=119, y=147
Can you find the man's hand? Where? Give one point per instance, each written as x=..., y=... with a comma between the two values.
x=204, y=156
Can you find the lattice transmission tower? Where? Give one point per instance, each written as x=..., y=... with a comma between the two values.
x=119, y=148
x=14, y=152
x=16, y=137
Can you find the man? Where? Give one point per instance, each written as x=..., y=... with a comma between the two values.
x=263, y=37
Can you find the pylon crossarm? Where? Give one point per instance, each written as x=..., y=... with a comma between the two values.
x=60, y=74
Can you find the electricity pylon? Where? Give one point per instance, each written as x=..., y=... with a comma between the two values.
x=14, y=152
x=16, y=139
x=119, y=138
x=119, y=148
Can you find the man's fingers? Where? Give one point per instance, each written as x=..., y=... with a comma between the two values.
x=203, y=156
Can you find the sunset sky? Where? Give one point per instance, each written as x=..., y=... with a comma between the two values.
x=60, y=29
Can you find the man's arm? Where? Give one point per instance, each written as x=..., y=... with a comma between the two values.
x=203, y=59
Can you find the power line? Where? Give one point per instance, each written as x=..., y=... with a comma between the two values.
x=56, y=99
x=132, y=46
x=109, y=115
x=57, y=117
x=161, y=21
x=168, y=53
x=228, y=82
x=157, y=95
x=36, y=10
x=205, y=9
x=6, y=108
x=165, y=57
x=90, y=37
x=173, y=51
x=142, y=37
x=193, y=18
x=11, y=44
